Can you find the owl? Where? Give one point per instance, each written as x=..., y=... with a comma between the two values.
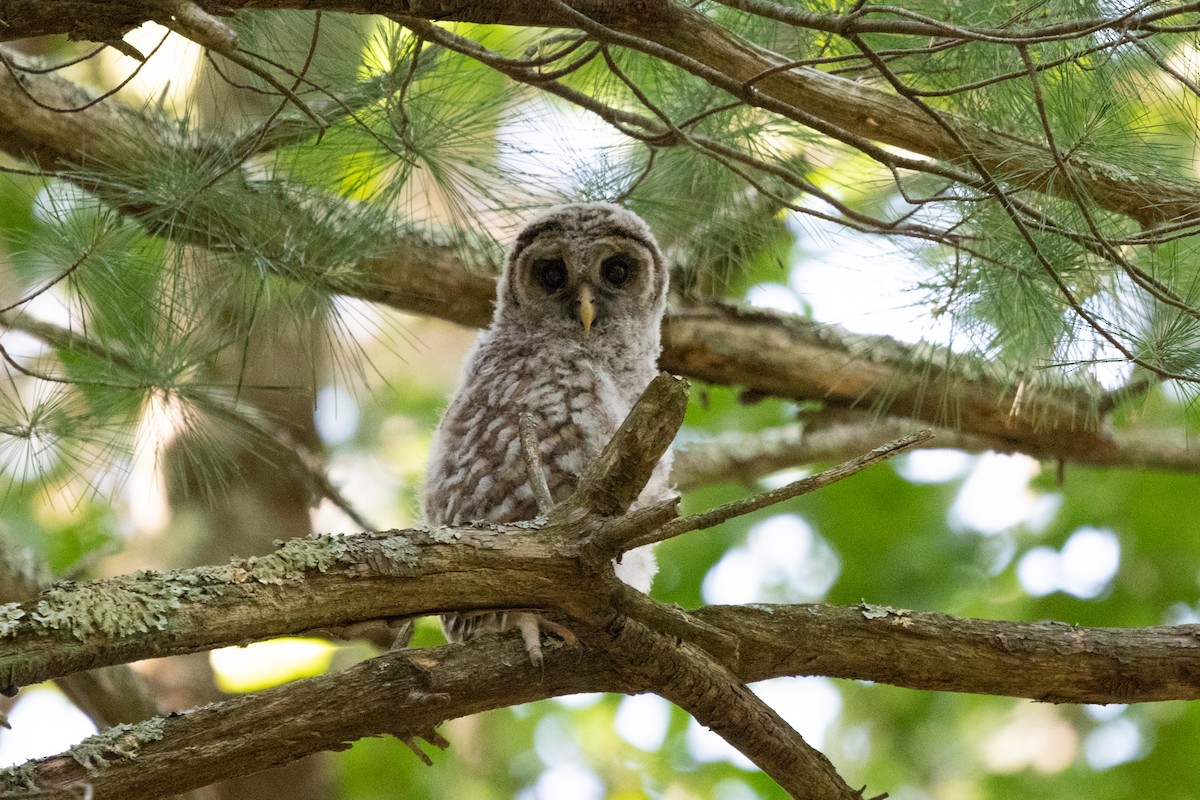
x=573, y=342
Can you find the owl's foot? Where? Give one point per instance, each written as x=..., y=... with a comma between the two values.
x=532, y=626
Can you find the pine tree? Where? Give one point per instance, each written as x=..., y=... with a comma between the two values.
x=188, y=270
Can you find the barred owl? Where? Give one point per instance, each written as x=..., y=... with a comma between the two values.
x=574, y=341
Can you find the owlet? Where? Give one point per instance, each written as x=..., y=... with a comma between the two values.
x=573, y=342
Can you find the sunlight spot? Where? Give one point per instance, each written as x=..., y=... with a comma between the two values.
x=57, y=200
x=1105, y=713
x=783, y=560
x=642, y=721
x=1180, y=614
x=733, y=789
x=854, y=744
x=1115, y=742
x=578, y=701
x=997, y=496
x=570, y=145
x=1035, y=737
x=337, y=415
x=810, y=705
x=554, y=740
x=169, y=75
x=51, y=307
x=998, y=551
x=934, y=466
x=1038, y=571
x=1088, y=562
x=775, y=297
x=1090, y=559
x=734, y=580
x=782, y=478
x=565, y=780
x=883, y=300
x=21, y=345
x=264, y=664
x=908, y=793
x=163, y=418
x=44, y=723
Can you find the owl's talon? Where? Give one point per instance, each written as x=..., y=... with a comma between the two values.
x=532, y=626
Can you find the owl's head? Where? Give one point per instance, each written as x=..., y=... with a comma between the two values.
x=587, y=271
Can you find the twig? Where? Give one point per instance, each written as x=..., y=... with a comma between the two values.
x=57, y=279
x=533, y=463
x=739, y=508
x=11, y=66
x=250, y=66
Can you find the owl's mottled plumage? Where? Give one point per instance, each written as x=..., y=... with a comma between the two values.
x=574, y=341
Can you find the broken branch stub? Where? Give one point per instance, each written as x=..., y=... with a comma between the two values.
x=625, y=465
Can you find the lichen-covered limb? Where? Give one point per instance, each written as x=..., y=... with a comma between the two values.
x=317, y=582
x=107, y=696
x=405, y=693
x=767, y=353
x=944, y=653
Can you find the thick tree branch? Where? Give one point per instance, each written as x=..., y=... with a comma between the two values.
x=858, y=109
x=689, y=677
x=335, y=581
x=107, y=696
x=752, y=73
x=406, y=693
x=1047, y=661
x=785, y=356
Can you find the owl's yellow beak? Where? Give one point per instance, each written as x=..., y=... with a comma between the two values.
x=587, y=308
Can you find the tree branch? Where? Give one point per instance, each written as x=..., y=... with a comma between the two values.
x=408, y=692
x=405, y=693
x=689, y=677
x=107, y=696
x=858, y=109
x=747, y=456
x=766, y=352
x=1046, y=661
x=334, y=581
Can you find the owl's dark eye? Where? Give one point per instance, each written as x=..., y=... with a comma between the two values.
x=616, y=269
x=551, y=274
